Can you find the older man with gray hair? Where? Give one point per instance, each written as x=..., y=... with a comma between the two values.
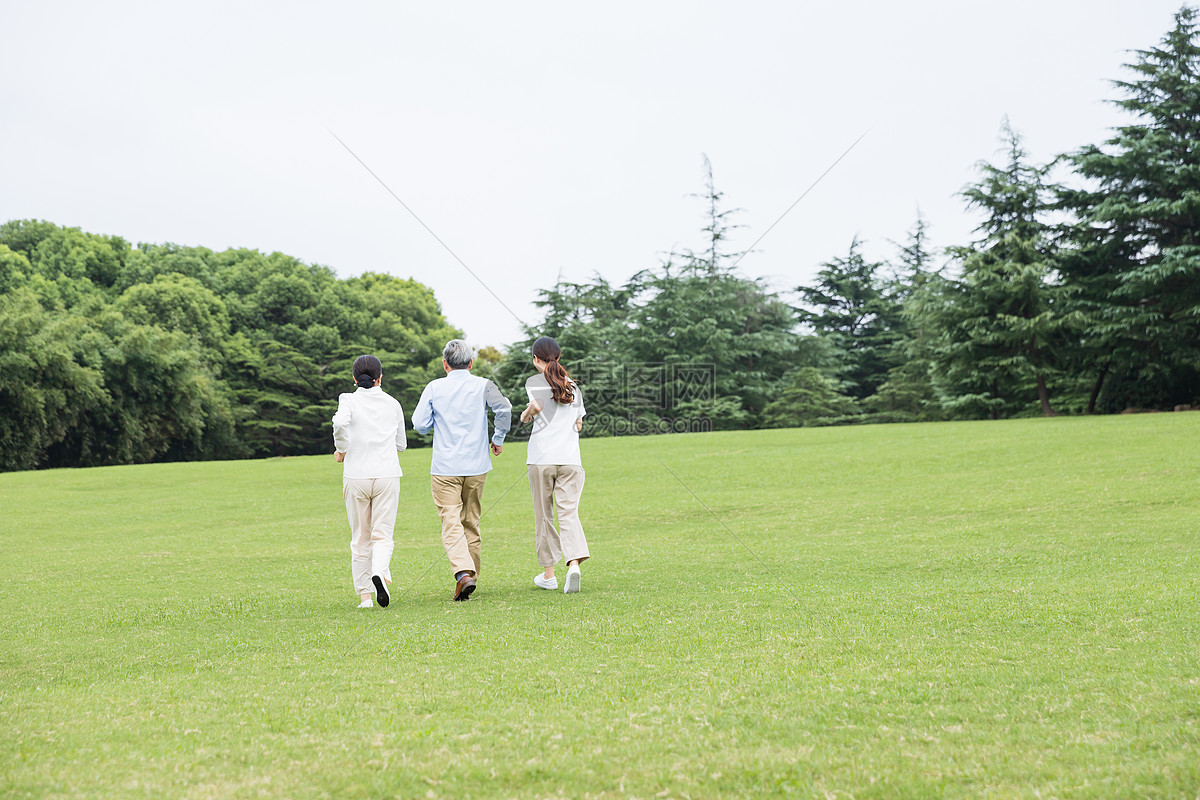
x=455, y=409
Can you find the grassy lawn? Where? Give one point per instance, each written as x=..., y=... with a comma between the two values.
x=960, y=609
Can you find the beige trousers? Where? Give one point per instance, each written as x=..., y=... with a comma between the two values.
x=558, y=486
x=371, y=506
x=459, y=500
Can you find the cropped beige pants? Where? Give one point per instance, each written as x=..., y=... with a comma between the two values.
x=459, y=501
x=371, y=507
x=561, y=486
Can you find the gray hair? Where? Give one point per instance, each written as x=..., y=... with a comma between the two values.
x=458, y=354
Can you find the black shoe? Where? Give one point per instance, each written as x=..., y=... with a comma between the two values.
x=464, y=587
x=381, y=592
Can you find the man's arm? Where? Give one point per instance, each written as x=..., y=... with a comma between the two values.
x=500, y=406
x=422, y=417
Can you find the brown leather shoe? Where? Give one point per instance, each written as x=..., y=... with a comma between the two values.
x=466, y=585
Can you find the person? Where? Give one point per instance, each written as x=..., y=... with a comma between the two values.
x=368, y=435
x=555, y=466
x=455, y=409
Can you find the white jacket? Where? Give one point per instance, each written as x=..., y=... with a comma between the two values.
x=369, y=428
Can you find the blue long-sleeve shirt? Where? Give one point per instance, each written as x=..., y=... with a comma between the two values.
x=455, y=409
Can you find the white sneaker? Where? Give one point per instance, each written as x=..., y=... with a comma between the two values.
x=573, y=577
x=541, y=582
x=366, y=603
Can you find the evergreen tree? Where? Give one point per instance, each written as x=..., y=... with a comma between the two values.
x=908, y=394
x=718, y=226
x=723, y=340
x=1003, y=324
x=1135, y=253
x=849, y=306
x=733, y=326
x=590, y=322
x=807, y=397
x=689, y=341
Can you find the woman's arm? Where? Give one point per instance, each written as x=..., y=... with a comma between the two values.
x=532, y=410
x=401, y=438
x=580, y=411
x=341, y=424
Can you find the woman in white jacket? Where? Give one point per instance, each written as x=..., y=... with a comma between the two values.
x=555, y=467
x=368, y=433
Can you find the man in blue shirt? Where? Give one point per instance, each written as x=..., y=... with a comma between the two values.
x=455, y=409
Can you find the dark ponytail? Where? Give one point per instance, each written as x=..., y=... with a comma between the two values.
x=548, y=351
x=367, y=370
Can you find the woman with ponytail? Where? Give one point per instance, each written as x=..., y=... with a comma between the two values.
x=555, y=466
x=368, y=432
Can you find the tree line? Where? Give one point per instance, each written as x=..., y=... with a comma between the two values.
x=111, y=354
x=1080, y=294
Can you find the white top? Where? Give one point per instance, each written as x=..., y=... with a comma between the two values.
x=554, y=439
x=369, y=428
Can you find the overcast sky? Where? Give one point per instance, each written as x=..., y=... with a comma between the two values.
x=538, y=140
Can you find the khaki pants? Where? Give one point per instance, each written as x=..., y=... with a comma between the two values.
x=459, y=500
x=558, y=486
x=371, y=507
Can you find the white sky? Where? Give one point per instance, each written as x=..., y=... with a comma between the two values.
x=538, y=139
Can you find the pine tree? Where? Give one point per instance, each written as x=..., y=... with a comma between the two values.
x=908, y=394
x=690, y=340
x=1004, y=322
x=718, y=226
x=807, y=397
x=849, y=306
x=1135, y=252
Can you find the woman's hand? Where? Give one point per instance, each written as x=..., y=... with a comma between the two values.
x=579, y=424
x=532, y=410
x=339, y=457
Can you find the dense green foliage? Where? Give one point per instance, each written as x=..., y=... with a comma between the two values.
x=1005, y=320
x=952, y=610
x=111, y=354
x=1063, y=288
x=689, y=341
x=1134, y=250
x=1080, y=294
x=853, y=311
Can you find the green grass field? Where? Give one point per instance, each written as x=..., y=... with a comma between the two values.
x=959, y=609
